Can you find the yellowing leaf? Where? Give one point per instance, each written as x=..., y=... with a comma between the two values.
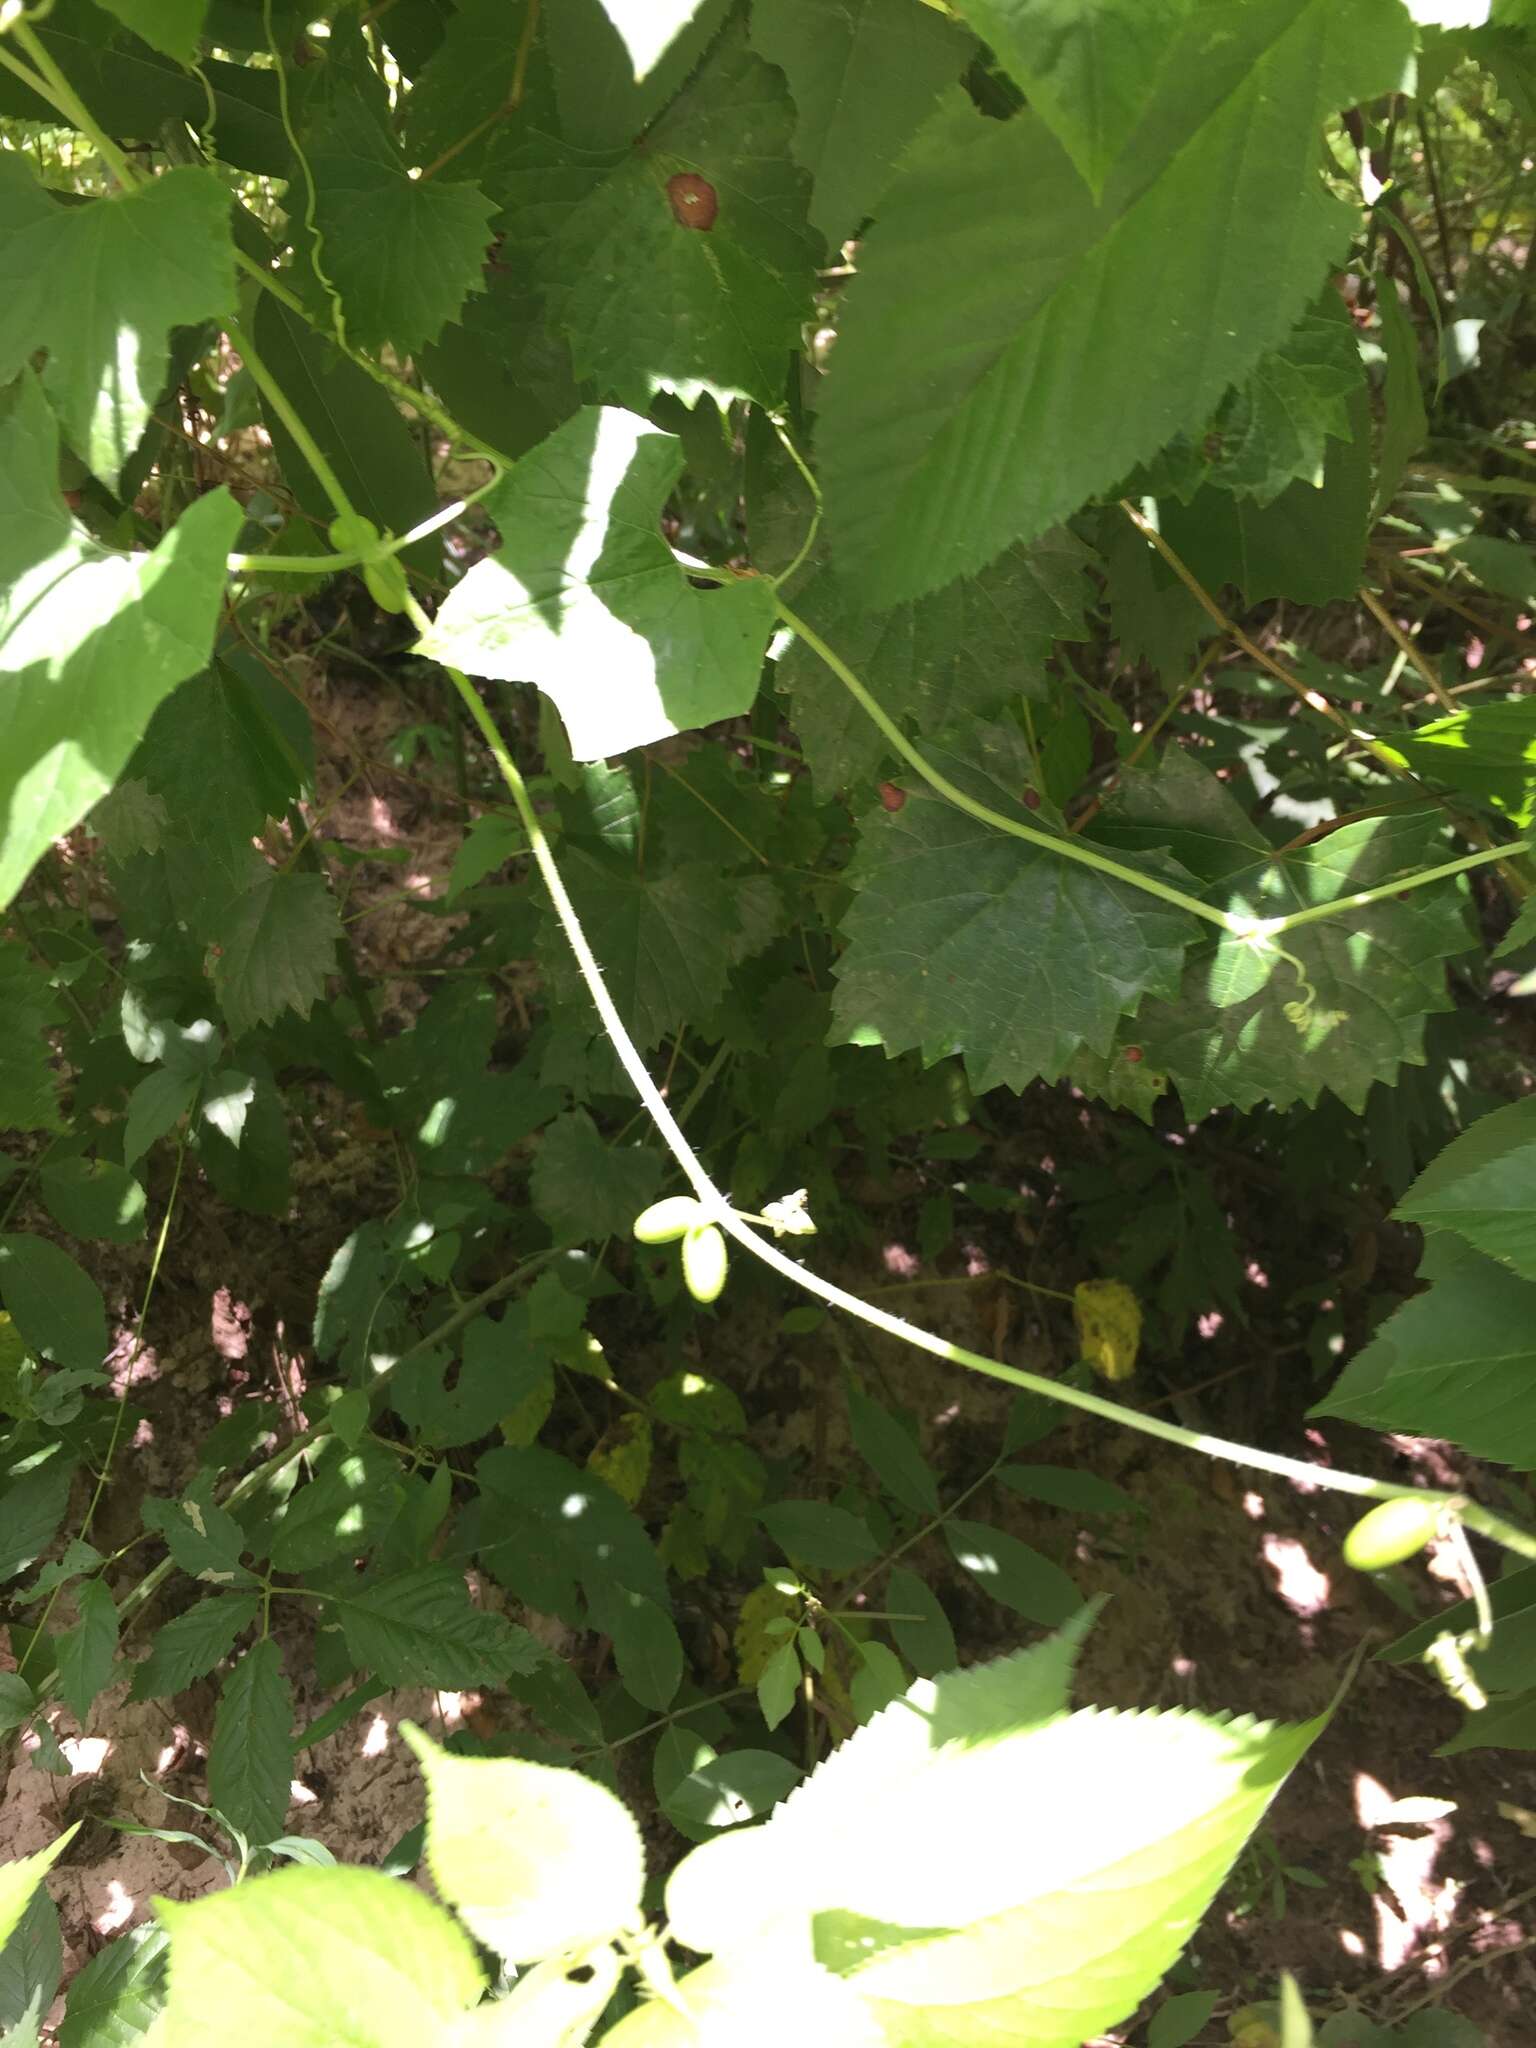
x=754, y=1645
x=1108, y=1318
x=623, y=1457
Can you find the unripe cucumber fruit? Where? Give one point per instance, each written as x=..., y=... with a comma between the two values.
x=665, y=1222
x=1390, y=1533
x=705, y=1261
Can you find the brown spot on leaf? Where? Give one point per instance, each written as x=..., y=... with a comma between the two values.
x=693, y=200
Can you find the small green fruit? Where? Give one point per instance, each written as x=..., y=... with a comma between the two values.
x=665, y=1222
x=705, y=1262
x=1390, y=1533
x=386, y=583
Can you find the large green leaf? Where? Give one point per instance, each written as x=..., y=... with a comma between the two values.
x=1088, y=67
x=250, y=1760
x=583, y=1187
x=29, y=1086
x=962, y=939
x=1483, y=1186
x=192, y=1644
x=532, y=1858
x=115, y=1998
x=310, y=1958
x=403, y=253
x=18, y=1881
x=1488, y=750
x=683, y=263
x=864, y=74
x=585, y=598
x=1074, y=1902
x=55, y=1304
x=649, y=27
x=1046, y=349
x=90, y=640
x=32, y=1503
x=277, y=944
x=85, y=1652
x=1366, y=978
x=171, y=26
x=421, y=1628
x=1455, y=1362
x=100, y=286
x=958, y=655
x=1276, y=427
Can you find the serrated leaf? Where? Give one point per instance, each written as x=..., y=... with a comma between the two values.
x=1276, y=427
x=1483, y=1186
x=86, y=1651
x=1066, y=330
x=90, y=640
x=53, y=1301
x=100, y=286
x=1088, y=67
x=193, y=1644
x=946, y=660
x=816, y=1534
x=204, y=1539
x=1455, y=1362
x=864, y=74
x=351, y=1499
x=278, y=946
x=94, y=1198
x=31, y=1964
x=303, y=1954
x=29, y=1087
x=666, y=941
x=403, y=253
x=961, y=939
x=533, y=1859
x=114, y=2000
x=79, y=1557
x=1010, y=1571
x=1487, y=750
x=585, y=1188
x=250, y=1760
x=421, y=1628
x=32, y=1504
x=20, y=1878
x=173, y=27
x=585, y=598
x=655, y=296
x=541, y=1525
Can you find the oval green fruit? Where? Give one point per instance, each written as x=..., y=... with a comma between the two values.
x=1390, y=1533
x=664, y=1222
x=705, y=1261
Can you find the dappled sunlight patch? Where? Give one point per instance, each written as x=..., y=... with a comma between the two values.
x=1304, y=1589
x=119, y=1909
x=85, y=1754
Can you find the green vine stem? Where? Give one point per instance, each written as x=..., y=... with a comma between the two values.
x=720, y=1212
x=304, y=440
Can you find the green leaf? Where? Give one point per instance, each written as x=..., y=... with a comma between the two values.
x=945, y=661
x=278, y=947
x=963, y=940
x=1483, y=1186
x=923, y=1635
x=193, y=1644
x=32, y=1504
x=1455, y=1362
x=100, y=286
x=1277, y=426
x=585, y=598
x=542, y=1525
x=90, y=640
x=585, y=1188
x=1063, y=1488
x=653, y=296
x=204, y=1539
x=1406, y=423
x=19, y=1879
x=1178, y=2020
x=1013, y=1573
x=812, y=1533
x=94, y=1198
x=250, y=1760
x=890, y=1450
x=403, y=253
x=533, y=1859
x=156, y=1106
x=53, y=1301
x=114, y=2000
x=28, y=1084
x=665, y=937
x=646, y=1645
x=602, y=105
x=173, y=27
x=864, y=75
x=1048, y=349
x=31, y=1964
x=17, y=1702
x=1488, y=751
x=310, y=1957
x=421, y=1628
x=777, y=1684
x=742, y=1785
x=79, y=1557
x=86, y=1651
x=731, y=2001
x=351, y=1499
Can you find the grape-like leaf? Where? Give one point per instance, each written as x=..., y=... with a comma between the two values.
x=949, y=658
x=1276, y=427
x=649, y=27
x=1483, y=1186
x=585, y=598
x=964, y=940
x=90, y=640
x=585, y=1188
x=277, y=946
x=684, y=263
x=29, y=1087
x=1047, y=349
x=100, y=286
x=864, y=75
